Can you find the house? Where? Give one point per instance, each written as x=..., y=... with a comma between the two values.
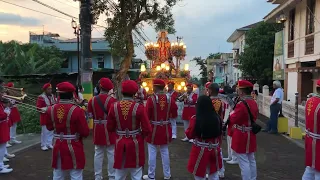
x=301, y=20
x=221, y=68
x=238, y=38
x=101, y=55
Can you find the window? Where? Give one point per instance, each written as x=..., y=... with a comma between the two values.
x=292, y=17
x=100, y=60
x=65, y=63
x=311, y=7
x=221, y=70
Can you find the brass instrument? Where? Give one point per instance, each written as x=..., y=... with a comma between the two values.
x=19, y=92
x=20, y=99
x=183, y=97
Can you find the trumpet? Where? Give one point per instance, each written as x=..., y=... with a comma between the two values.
x=19, y=92
x=183, y=97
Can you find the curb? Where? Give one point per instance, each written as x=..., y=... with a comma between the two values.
x=299, y=144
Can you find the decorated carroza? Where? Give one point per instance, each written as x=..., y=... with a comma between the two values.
x=162, y=55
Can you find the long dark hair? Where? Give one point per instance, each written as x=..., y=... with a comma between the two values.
x=207, y=120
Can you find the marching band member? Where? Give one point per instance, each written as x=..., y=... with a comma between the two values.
x=174, y=95
x=205, y=129
x=69, y=124
x=14, y=118
x=98, y=108
x=160, y=108
x=130, y=122
x=190, y=99
x=312, y=138
x=219, y=108
x=243, y=139
x=45, y=100
x=206, y=90
x=142, y=93
x=4, y=132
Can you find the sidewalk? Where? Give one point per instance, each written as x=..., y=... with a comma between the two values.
x=28, y=141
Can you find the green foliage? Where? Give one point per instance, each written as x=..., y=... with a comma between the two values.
x=214, y=56
x=19, y=59
x=30, y=121
x=128, y=16
x=257, y=59
x=203, y=68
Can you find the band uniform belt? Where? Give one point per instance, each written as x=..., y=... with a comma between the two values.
x=160, y=123
x=103, y=121
x=242, y=128
x=127, y=133
x=189, y=105
x=208, y=145
x=312, y=135
x=65, y=137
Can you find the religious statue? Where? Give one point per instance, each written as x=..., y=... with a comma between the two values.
x=164, y=47
x=277, y=66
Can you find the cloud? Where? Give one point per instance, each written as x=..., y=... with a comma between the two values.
x=17, y=20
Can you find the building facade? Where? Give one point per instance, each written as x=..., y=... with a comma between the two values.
x=238, y=39
x=101, y=55
x=221, y=68
x=301, y=20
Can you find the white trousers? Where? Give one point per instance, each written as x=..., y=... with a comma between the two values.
x=231, y=153
x=98, y=161
x=222, y=170
x=185, y=125
x=311, y=174
x=214, y=176
x=2, y=153
x=59, y=174
x=248, y=166
x=46, y=136
x=13, y=131
x=152, y=152
x=174, y=127
x=121, y=174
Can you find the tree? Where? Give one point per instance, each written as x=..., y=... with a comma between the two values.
x=19, y=59
x=127, y=16
x=203, y=68
x=214, y=55
x=257, y=59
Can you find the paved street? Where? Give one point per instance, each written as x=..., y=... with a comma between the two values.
x=277, y=158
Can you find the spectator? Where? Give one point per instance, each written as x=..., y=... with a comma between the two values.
x=275, y=107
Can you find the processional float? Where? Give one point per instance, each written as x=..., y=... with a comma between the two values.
x=162, y=54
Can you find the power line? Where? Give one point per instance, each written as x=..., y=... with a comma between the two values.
x=50, y=7
x=67, y=4
x=34, y=10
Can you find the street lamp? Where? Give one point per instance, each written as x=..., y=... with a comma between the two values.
x=76, y=32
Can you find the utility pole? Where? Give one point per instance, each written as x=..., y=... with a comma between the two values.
x=86, y=20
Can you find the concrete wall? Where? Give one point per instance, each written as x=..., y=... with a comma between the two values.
x=288, y=108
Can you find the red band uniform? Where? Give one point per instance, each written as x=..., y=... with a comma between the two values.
x=69, y=124
x=160, y=108
x=129, y=120
x=102, y=139
x=206, y=88
x=200, y=157
x=45, y=100
x=4, y=133
x=189, y=108
x=243, y=139
x=14, y=118
x=173, y=95
x=219, y=107
x=312, y=138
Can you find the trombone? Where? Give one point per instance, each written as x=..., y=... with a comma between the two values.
x=25, y=105
x=20, y=92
